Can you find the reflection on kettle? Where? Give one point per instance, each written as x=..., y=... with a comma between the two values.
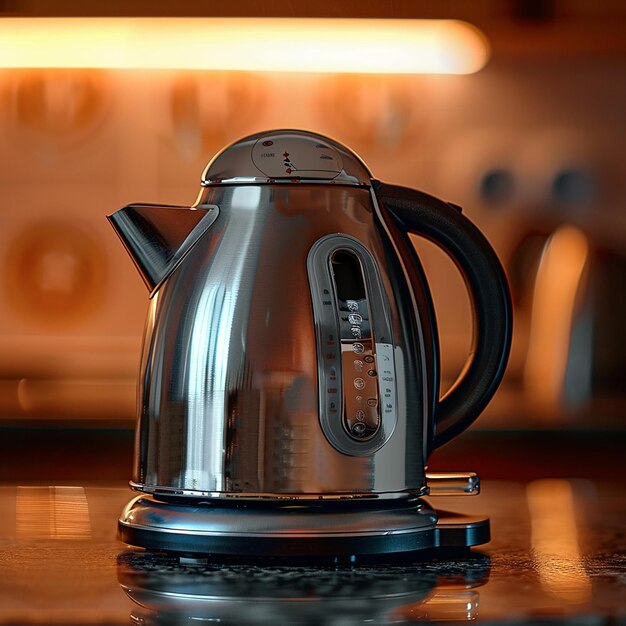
x=170, y=590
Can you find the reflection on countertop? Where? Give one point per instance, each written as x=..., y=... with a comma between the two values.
x=558, y=553
x=167, y=590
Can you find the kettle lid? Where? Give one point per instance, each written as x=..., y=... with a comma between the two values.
x=286, y=156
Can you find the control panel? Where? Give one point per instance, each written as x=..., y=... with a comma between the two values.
x=356, y=371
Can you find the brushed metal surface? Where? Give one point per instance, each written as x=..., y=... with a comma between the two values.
x=229, y=378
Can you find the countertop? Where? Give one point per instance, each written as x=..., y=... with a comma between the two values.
x=557, y=555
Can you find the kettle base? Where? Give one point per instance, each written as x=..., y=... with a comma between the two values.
x=292, y=529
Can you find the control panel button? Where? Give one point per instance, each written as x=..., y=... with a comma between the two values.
x=358, y=348
x=352, y=305
x=368, y=359
x=359, y=383
x=356, y=332
x=355, y=318
x=359, y=416
x=373, y=402
x=358, y=365
x=358, y=429
x=371, y=373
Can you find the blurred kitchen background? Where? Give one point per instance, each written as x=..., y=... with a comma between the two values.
x=532, y=145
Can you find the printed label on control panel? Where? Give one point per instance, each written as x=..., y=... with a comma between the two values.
x=296, y=156
x=386, y=378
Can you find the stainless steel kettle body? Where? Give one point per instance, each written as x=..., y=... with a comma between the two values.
x=290, y=348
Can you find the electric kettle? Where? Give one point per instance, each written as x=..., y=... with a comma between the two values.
x=289, y=388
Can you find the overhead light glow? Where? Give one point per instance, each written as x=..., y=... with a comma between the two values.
x=254, y=44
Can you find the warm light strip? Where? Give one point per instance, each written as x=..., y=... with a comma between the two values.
x=559, y=277
x=555, y=542
x=254, y=44
x=52, y=513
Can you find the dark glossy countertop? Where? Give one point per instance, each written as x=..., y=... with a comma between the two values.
x=558, y=554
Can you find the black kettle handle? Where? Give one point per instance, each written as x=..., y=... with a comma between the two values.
x=443, y=224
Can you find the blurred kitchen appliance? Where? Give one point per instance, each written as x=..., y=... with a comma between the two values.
x=289, y=386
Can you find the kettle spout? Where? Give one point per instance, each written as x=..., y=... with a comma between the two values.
x=158, y=237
